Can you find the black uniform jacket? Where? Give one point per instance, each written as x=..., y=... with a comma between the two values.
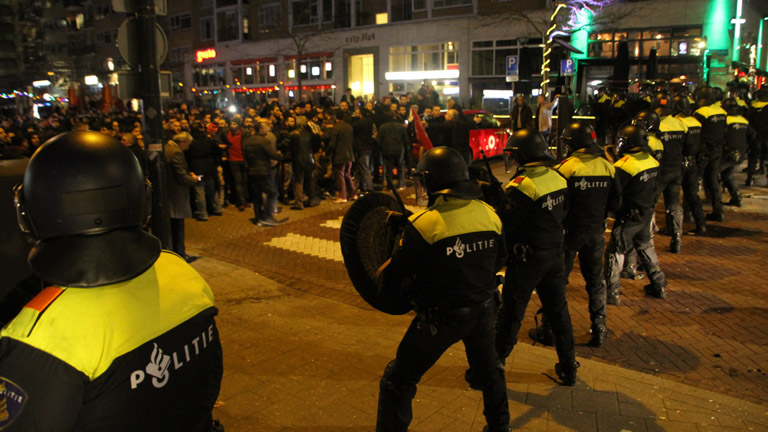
x=692, y=145
x=140, y=355
x=738, y=134
x=636, y=175
x=535, y=207
x=592, y=192
x=454, y=250
x=672, y=134
x=712, y=119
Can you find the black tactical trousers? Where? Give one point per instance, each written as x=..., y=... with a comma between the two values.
x=669, y=184
x=727, y=167
x=758, y=151
x=624, y=236
x=589, y=244
x=691, y=193
x=543, y=271
x=420, y=349
x=711, y=177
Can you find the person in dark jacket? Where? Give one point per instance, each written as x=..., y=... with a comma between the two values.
x=392, y=137
x=365, y=130
x=259, y=154
x=103, y=347
x=455, y=134
x=204, y=159
x=522, y=115
x=302, y=143
x=340, y=149
x=180, y=180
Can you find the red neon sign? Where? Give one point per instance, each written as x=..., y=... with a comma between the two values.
x=208, y=54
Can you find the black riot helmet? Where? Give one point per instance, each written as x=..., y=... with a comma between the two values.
x=704, y=96
x=84, y=199
x=580, y=135
x=632, y=138
x=681, y=105
x=648, y=120
x=528, y=146
x=762, y=94
x=444, y=172
x=662, y=104
x=717, y=93
x=731, y=107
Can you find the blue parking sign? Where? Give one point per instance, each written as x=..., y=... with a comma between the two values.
x=512, y=67
x=566, y=67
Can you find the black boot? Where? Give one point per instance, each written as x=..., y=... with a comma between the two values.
x=656, y=291
x=599, y=334
x=612, y=297
x=675, y=244
x=542, y=333
x=567, y=373
x=714, y=217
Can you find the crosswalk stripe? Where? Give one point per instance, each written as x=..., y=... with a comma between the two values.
x=327, y=249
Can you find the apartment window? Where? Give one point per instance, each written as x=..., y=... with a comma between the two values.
x=305, y=12
x=106, y=37
x=437, y=4
x=180, y=22
x=103, y=10
x=270, y=17
x=225, y=3
x=489, y=58
x=177, y=55
x=227, y=25
x=419, y=5
x=205, y=4
x=206, y=28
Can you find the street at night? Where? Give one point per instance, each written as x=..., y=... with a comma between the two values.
x=304, y=352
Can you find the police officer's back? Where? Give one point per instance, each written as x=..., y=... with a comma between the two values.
x=636, y=174
x=738, y=134
x=533, y=213
x=713, y=124
x=691, y=161
x=591, y=195
x=124, y=338
x=452, y=251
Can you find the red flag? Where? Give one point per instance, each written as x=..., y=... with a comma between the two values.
x=421, y=133
x=72, y=96
x=106, y=98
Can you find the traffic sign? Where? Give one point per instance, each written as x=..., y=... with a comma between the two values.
x=129, y=49
x=513, y=70
x=566, y=67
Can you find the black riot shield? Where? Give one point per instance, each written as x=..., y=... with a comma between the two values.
x=367, y=241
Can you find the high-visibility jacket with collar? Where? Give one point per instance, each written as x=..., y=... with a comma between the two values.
x=672, y=134
x=692, y=145
x=534, y=208
x=453, y=250
x=712, y=119
x=591, y=189
x=738, y=134
x=139, y=355
x=636, y=175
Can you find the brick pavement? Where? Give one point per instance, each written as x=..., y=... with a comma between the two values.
x=709, y=333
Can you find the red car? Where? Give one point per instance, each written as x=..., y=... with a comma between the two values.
x=488, y=135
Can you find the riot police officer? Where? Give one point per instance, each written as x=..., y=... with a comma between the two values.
x=124, y=337
x=672, y=135
x=533, y=213
x=650, y=122
x=591, y=194
x=738, y=134
x=455, y=294
x=713, y=124
x=691, y=155
x=758, y=148
x=636, y=174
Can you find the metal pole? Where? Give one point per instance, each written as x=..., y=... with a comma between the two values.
x=152, y=115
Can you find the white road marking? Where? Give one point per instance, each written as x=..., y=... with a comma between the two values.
x=326, y=249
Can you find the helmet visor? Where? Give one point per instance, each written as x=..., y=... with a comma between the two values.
x=22, y=218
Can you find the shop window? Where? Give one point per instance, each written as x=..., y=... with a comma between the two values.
x=208, y=76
